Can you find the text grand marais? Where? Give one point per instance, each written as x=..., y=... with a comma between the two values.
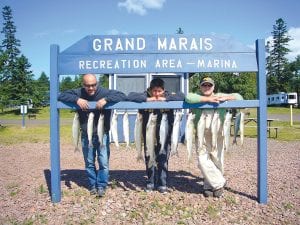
x=109, y=47
x=139, y=44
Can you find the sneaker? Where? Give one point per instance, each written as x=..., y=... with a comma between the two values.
x=162, y=189
x=208, y=193
x=149, y=187
x=218, y=193
x=101, y=191
x=93, y=191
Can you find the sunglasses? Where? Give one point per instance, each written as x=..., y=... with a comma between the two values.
x=90, y=85
x=206, y=85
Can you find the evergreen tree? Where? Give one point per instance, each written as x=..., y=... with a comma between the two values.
x=104, y=80
x=42, y=90
x=16, y=79
x=10, y=45
x=66, y=83
x=3, y=91
x=78, y=81
x=22, y=81
x=276, y=62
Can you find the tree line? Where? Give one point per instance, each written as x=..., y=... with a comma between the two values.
x=18, y=85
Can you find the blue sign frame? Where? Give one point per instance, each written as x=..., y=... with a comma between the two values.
x=158, y=53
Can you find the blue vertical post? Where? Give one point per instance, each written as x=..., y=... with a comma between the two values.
x=54, y=126
x=262, y=153
x=185, y=90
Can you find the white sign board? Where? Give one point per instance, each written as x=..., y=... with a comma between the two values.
x=23, y=109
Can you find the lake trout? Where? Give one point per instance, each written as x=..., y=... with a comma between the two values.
x=200, y=131
x=242, y=127
x=236, y=127
x=126, y=130
x=215, y=127
x=90, y=126
x=226, y=130
x=76, y=131
x=189, y=135
x=163, y=131
x=150, y=139
x=100, y=129
x=114, y=129
x=175, y=133
x=138, y=136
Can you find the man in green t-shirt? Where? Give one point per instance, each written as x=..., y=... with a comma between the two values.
x=210, y=137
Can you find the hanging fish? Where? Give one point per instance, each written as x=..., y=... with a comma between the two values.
x=200, y=131
x=138, y=136
x=236, y=127
x=163, y=131
x=114, y=129
x=76, y=131
x=100, y=129
x=175, y=133
x=189, y=135
x=126, y=130
x=90, y=126
x=226, y=130
x=215, y=127
x=150, y=139
x=242, y=127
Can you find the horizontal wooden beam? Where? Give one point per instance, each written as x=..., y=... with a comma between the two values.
x=167, y=105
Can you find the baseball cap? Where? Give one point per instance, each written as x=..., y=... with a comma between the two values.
x=207, y=80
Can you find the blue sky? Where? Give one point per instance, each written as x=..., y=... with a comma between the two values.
x=64, y=22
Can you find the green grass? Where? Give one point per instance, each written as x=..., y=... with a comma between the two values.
x=14, y=134
x=285, y=131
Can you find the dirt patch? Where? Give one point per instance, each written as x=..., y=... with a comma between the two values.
x=25, y=184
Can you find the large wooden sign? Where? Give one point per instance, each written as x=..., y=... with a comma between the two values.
x=156, y=53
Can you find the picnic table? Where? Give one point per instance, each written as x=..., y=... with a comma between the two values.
x=31, y=115
x=269, y=124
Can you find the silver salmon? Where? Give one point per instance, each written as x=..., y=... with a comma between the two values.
x=236, y=127
x=90, y=126
x=226, y=130
x=215, y=127
x=239, y=125
x=114, y=129
x=163, y=131
x=175, y=133
x=126, y=130
x=189, y=135
x=138, y=136
x=76, y=131
x=242, y=127
x=100, y=129
x=151, y=139
x=200, y=131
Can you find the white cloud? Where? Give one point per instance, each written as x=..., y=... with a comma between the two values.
x=294, y=43
x=140, y=6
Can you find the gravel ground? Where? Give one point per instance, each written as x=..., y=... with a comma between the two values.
x=25, y=180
